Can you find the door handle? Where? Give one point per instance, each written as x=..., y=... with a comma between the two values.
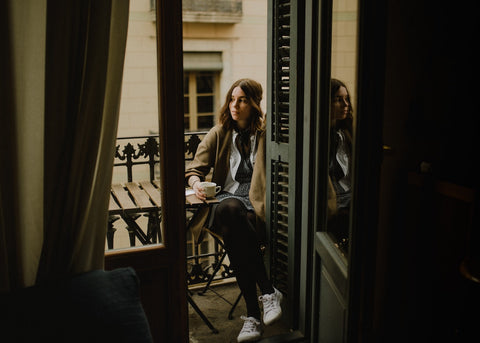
x=387, y=149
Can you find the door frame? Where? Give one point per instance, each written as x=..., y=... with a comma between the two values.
x=368, y=161
x=162, y=268
x=360, y=286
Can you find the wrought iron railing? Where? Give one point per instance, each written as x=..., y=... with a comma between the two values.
x=137, y=158
x=219, y=11
x=140, y=155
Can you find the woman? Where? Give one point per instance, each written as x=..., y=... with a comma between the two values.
x=340, y=165
x=235, y=149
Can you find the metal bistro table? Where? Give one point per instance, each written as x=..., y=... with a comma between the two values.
x=132, y=199
x=129, y=201
x=192, y=204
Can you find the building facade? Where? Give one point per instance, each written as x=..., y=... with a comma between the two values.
x=222, y=42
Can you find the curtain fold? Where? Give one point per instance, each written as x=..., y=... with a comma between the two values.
x=22, y=31
x=74, y=141
x=8, y=152
x=84, y=67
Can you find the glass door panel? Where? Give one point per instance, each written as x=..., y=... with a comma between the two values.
x=336, y=100
x=342, y=120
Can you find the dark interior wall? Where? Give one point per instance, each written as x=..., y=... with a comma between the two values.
x=432, y=48
x=432, y=82
x=430, y=114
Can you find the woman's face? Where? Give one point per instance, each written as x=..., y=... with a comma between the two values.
x=340, y=104
x=240, y=107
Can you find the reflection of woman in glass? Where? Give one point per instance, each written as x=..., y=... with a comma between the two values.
x=340, y=162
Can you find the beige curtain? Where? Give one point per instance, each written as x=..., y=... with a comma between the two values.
x=61, y=67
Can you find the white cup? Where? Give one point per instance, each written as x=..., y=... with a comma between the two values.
x=210, y=188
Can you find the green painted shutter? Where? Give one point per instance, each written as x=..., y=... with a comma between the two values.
x=284, y=155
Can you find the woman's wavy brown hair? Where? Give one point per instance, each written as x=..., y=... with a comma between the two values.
x=346, y=125
x=253, y=91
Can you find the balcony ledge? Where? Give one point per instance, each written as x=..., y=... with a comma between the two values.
x=211, y=17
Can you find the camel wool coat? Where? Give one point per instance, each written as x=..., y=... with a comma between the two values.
x=214, y=152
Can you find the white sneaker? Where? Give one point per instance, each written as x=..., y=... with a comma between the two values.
x=272, y=310
x=251, y=331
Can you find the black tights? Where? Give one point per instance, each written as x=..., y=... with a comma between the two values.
x=237, y=226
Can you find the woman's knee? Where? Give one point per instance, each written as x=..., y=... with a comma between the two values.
x=230, y=211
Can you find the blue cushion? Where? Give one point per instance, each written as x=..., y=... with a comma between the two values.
x=97, y=306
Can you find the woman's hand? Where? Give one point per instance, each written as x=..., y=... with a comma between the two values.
x=199, y=191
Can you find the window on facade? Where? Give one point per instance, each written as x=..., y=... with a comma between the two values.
x=200, y=90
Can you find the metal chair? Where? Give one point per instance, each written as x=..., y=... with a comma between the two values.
x=216, y=267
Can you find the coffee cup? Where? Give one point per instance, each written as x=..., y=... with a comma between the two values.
x=210, y=188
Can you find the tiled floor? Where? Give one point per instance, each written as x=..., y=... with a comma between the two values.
x=216, y=309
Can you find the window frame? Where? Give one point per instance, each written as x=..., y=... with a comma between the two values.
x=192, y=116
